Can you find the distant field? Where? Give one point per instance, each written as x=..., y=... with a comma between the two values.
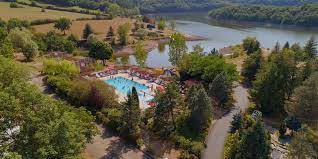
x=32, y=13
x=100, y=27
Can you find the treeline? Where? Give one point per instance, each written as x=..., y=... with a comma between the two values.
x=306, y=15
x=274, y=2
x=175, y=6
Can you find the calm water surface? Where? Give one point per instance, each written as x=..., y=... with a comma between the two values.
x=221, y=34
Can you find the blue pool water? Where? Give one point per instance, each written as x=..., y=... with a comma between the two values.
x=124, y=85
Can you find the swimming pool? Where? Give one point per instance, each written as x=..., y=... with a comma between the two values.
x=124, y=85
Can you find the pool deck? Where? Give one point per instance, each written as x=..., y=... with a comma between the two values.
x=122, y=97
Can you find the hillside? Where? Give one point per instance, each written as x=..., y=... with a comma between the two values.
x=306, y=15
x=32, y=13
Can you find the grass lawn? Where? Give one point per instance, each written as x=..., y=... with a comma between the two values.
x=32, y=13
x=100, y=27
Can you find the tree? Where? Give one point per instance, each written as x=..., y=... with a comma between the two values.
x=122, y=32
x=255, y=143
x=251, y=66
x=22, y=39
x=250, y=45
x=3, y=34
x=73, y=38
x=274, y=82
x=276, y=48
x=164, y=117
x=310, y=48
x=69, y=46
x=101, y=51
x=110, y=32
x=220, y=89
x=161, y=24
x=63, y=24
x=6, y=49
x=17, y=23
x=236, y=123
x=47, y=128
x=30, y=50
x=304, y=144
x=200, y=108
x=87, y=31
x=177, y=48
x=131, y=117
x=198, y=49
x=114, y=10
x=286, y=46
x=141, y=54
x=304, y=101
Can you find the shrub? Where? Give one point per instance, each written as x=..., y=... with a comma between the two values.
x=110, y=117
x=60, y=85
x=14, y=5
x=42, y=21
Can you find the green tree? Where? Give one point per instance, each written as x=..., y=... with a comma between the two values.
x=110, y=32
x=87, y=31
x=63, y=24
x=6, y=49
x=123, y=33
x=200, y=108
x=274, y=82
x=276, y=48
x=17, y=23
x=198, y=49
x=30, y=50
x=236, y=123
x=69, y=46
x=141, y=54
x=304, y=103
x=220, y=89
x=310, y=48
x=48, y=128
x=167, y=102
x=162, y=24
x=251, y=65
x=177, y=48
x=3, y=34
x=286, y=46
x=73, y=38
x=131, y=117
x=101, y=51
x=304, y=144
x=114, y=10
x=250, y=45
x=255, y=143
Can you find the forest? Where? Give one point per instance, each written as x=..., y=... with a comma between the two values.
x=150, y=6
x=305, y=15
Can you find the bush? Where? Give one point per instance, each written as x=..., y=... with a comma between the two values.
x=93, y=94
x=14, y=5
x=42, y=21
x=110, y=117
x=60, y=85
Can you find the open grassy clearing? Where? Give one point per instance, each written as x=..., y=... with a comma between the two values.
x=33, y=13
x=100, y=27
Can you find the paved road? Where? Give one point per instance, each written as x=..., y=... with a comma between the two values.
x=218, y=132
x=108, y=146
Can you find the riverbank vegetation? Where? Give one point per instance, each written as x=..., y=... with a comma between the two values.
x=305, y=15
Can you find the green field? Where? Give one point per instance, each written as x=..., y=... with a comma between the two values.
x=32, y=13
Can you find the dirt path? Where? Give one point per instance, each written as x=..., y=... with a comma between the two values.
x=219, y=130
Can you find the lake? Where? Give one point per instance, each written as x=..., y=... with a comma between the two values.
x=222, y=34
